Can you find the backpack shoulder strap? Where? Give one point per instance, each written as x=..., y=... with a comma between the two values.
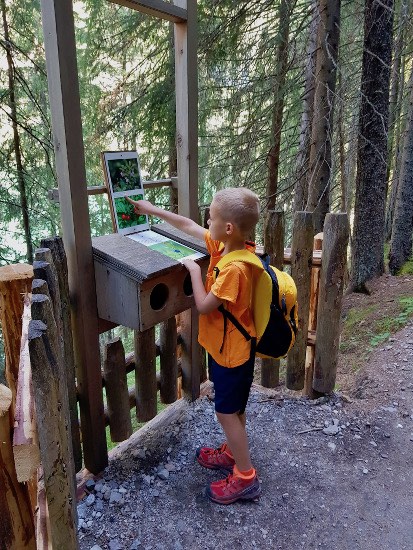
x=239, y=256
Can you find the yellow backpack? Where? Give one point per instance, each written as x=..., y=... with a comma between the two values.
x=274, y=305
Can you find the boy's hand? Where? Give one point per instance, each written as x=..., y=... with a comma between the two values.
x=191, y=265
x=141, y=207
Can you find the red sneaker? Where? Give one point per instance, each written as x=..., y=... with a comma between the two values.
x=227, y=491
x=215, y=459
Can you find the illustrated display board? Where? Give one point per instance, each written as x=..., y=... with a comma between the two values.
x=123, y=179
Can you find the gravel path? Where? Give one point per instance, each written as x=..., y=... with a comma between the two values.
x=345, y=482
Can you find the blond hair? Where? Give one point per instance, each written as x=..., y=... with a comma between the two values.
x=240, y=206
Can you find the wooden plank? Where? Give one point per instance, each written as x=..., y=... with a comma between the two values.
x=186, y=84
x=54, y=436
x=274, y=246
x=25, y=442
x=156, y=8
x=145, y=375
x=301, y=256
x=114, y=373
x=333, y=271
x=60, y=49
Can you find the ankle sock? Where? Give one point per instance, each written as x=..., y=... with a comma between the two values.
x=246, y=474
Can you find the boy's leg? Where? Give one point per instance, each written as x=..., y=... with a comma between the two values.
x=235, y=432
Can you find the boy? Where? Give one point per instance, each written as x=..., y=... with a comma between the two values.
x=234, y=213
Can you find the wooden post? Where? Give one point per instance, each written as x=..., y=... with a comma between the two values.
x=25, y=442
x=55, y=245
x=145, y=375
x=312, y=320
x=52, y=420
x=16, y=524
x=60, y=49
x=168, y=359
x=186, y=94
x=190, y=355
x=15, y=281
x=274, y=246
x=333, y=270
x=116, y=386
x=301, y=261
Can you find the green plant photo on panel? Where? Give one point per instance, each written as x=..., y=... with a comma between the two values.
x=126, y=214
x=124, y=174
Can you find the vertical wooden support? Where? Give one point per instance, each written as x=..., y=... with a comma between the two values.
x=60, y=49
x=312, y=319
x=168, y=359
x=274, y=246
x=52, y=420
x=55, y=245
x=333, y=270
x=301, y=260
x=15, y=281
x=186, y=83
x=145, y=375
x=116, y=386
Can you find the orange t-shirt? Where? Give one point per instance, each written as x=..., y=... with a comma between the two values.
x=234, y=287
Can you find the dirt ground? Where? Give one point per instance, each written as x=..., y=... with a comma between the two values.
x=337, y=473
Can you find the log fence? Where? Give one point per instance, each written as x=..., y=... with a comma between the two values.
x=40, y=372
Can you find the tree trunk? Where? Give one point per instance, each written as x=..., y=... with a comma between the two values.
x=322, y=127
x=401, y=241
x=278, y=106
x=16, y=137
x=303, y=157
x=368, y=234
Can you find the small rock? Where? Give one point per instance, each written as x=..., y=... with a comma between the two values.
x=135, y=544
x=115, y=498
x=163, y=474
x=170, y=467
x=156, y=493
x=365, y=471
x=114, y=544
x=332, y=446
x=139, y=453
x=90, y=500
x=96, y=547
x=411, y=437
x=285, y=496
x=90, y=484
x=99, y=487
x=373, y=443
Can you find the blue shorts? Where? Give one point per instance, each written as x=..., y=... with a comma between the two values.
x=232, y=385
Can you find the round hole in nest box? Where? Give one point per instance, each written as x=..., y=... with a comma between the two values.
x=188, y=286
x=159, y=296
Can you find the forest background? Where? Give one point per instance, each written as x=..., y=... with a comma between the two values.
x=307, y=102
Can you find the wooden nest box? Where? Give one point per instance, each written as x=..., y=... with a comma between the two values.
x=138, y=287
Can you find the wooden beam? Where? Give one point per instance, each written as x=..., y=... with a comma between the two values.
x=186, y=83
x=157, y=8
x=186, y=94
x=60, y=49
x=53, y=194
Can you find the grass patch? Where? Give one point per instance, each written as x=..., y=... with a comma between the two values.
x=368, y=327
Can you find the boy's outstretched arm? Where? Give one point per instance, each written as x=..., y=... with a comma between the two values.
x=205, y=302
x=180, y=222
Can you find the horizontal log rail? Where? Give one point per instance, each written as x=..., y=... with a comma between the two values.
x=53, y=194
